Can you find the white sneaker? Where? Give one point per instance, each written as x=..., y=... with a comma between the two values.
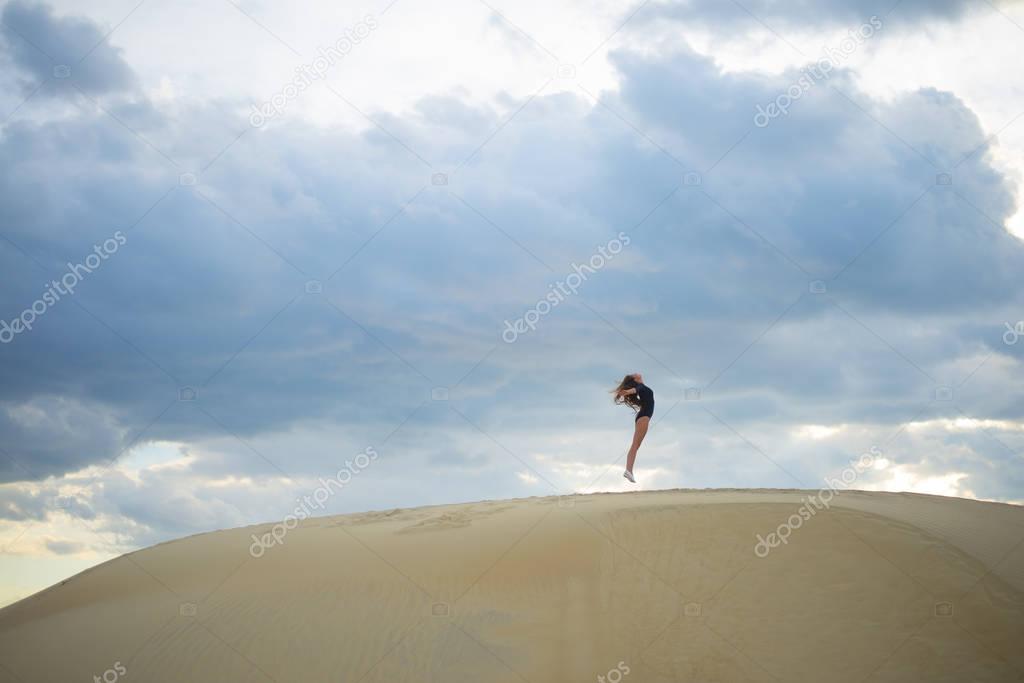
x=629, y=475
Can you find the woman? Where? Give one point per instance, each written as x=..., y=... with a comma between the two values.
x=634, y=393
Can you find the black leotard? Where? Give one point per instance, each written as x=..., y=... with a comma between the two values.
x=646, y=396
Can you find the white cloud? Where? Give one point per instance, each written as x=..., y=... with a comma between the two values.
x=907, y=478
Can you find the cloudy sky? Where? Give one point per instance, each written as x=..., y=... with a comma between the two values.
x=244, y=241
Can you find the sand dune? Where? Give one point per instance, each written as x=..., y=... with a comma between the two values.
x=659, y=586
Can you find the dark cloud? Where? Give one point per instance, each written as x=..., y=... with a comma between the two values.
x=67, y=50
x=51, y=434
x=60, y=547
x=822, y=184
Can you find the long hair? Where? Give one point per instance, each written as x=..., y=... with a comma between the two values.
x=630, y=400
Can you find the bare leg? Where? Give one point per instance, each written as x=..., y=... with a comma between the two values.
x=639, y=432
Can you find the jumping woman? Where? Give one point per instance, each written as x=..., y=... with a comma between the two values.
x=634, y=393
